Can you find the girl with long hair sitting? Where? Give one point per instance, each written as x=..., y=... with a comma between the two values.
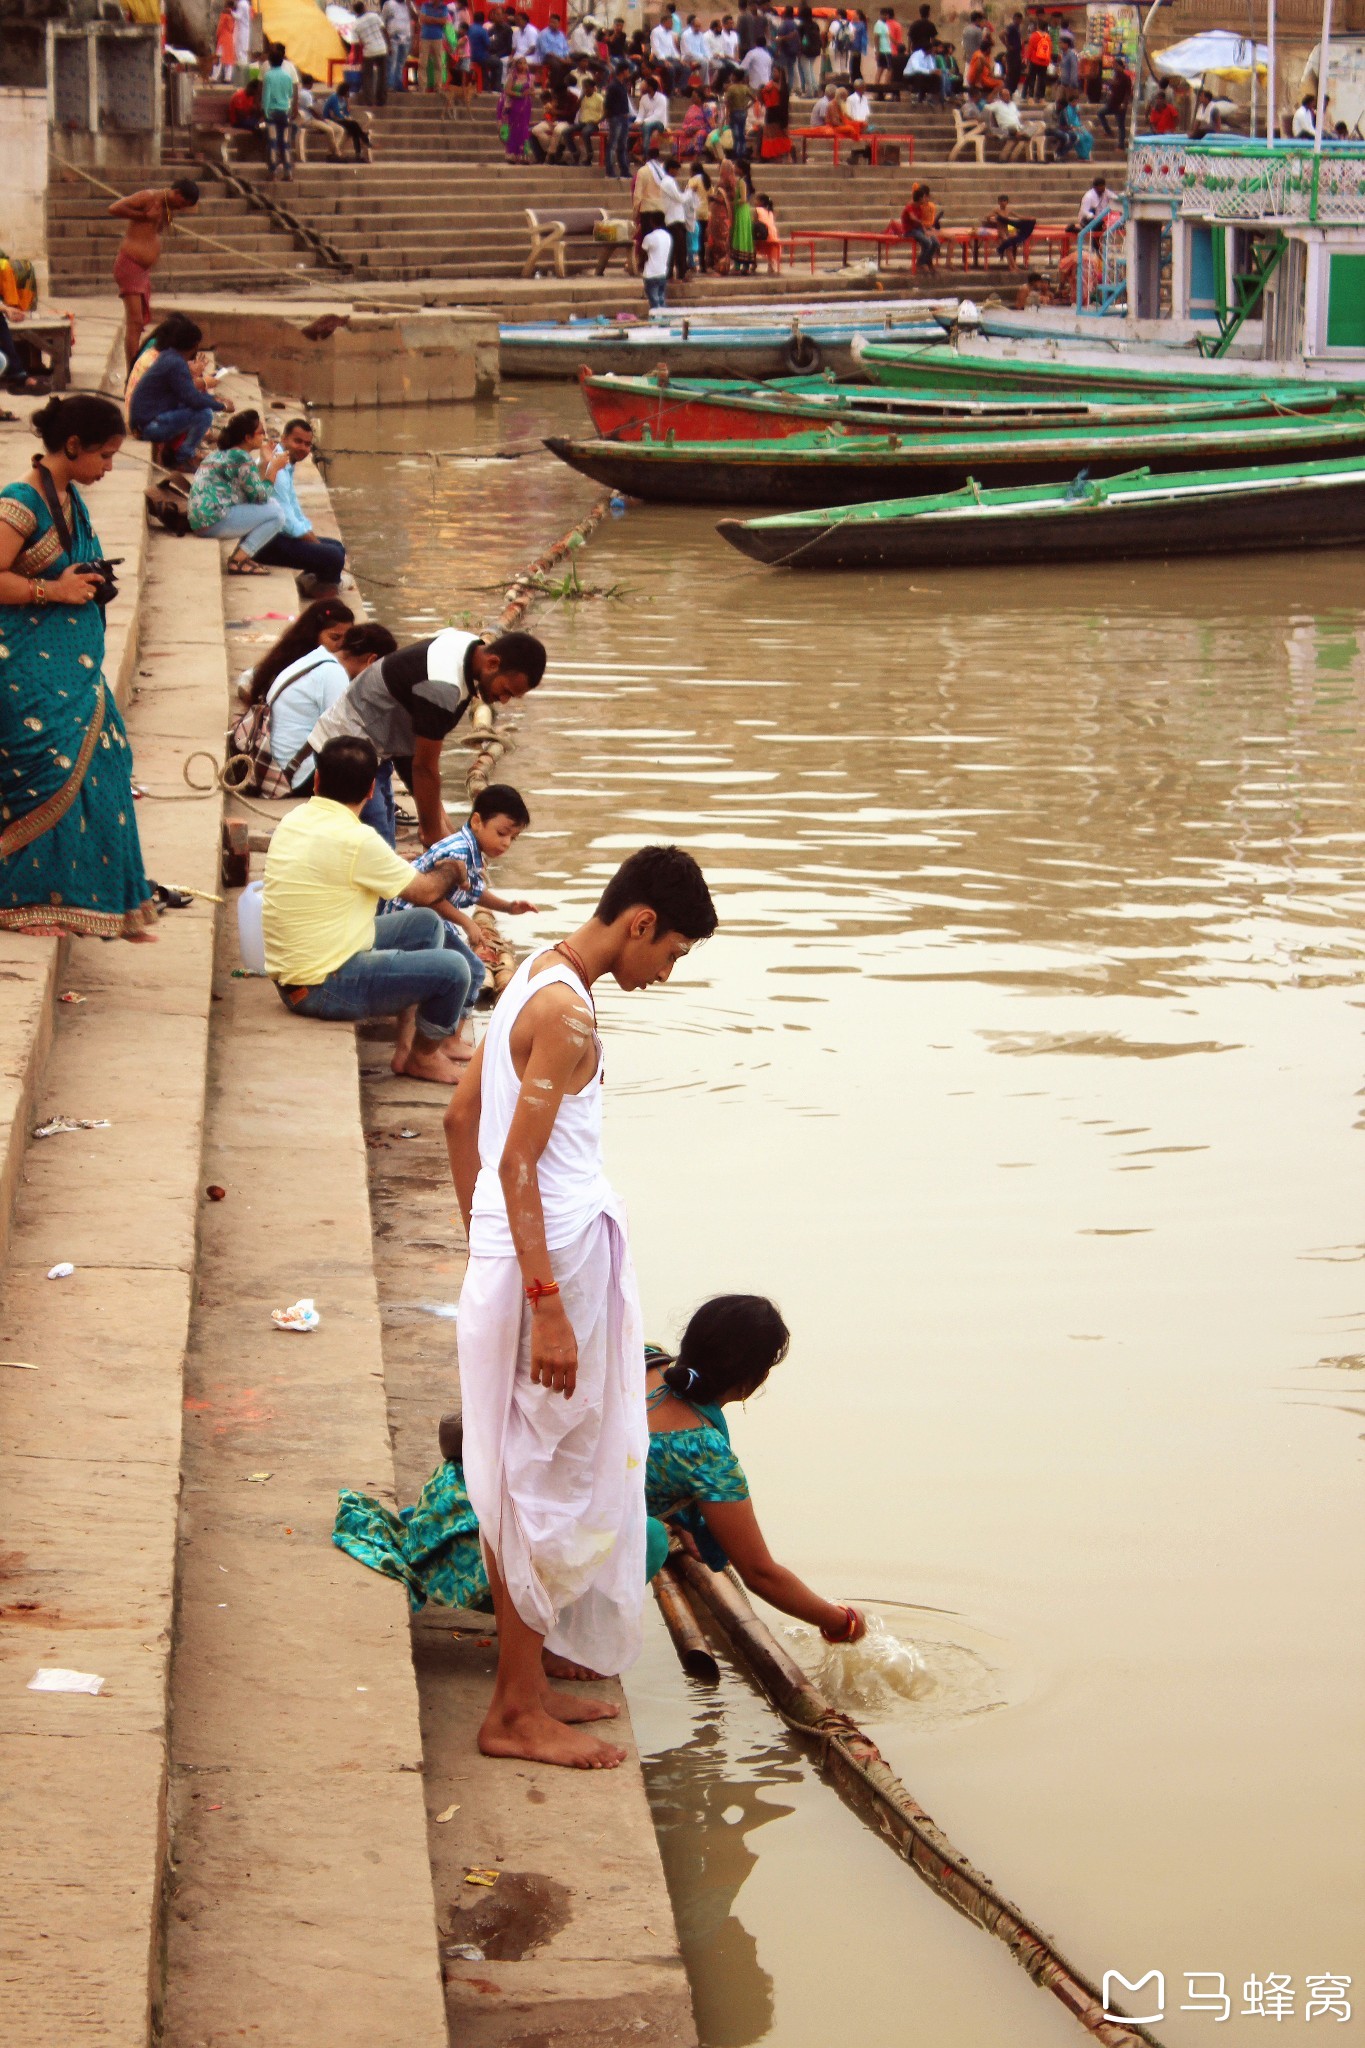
x=322, y=623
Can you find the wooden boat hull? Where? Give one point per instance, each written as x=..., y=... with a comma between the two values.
x=701, y=350
x=696, y=409
x=1311, y=505
x=834, y=469
x=910, y=368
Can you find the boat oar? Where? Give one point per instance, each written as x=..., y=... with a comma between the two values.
x=866, y=1782
x=681, y=1623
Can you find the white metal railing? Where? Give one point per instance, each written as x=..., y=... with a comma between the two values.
x=1245, y=180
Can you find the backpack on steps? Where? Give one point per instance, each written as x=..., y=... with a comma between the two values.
x=168, y=509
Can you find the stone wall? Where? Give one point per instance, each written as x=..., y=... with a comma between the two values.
x=346, y=357
x=23, y=151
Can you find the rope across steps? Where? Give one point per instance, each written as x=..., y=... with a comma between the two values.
x=249, y=228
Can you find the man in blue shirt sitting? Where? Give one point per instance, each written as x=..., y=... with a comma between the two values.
x=169, y=407
x=320, y=561
x=552, y=45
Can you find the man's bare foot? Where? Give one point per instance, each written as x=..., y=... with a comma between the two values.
x=407, y=1033
x=560, y=1667
x=565, y=1708
x=541, y=1739
x=427, y=1066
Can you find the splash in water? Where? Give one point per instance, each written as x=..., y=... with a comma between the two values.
x=870, y=1675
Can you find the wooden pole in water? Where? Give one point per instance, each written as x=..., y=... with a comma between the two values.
x=866, y=1782
x=506, y=966
x=488, y=744
x=681, y=1623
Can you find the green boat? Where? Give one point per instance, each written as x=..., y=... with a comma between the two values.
x=1207, y=512
x=834, y=468
x=907, y=368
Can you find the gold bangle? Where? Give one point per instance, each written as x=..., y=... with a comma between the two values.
x=39, y=591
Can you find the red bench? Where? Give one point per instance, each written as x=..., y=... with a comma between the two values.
x=869, y=139
x=974, y=245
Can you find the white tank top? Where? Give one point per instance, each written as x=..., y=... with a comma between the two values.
x=573, y=1187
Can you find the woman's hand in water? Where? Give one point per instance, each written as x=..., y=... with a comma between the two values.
x=844, y=1625
x=554, y=1348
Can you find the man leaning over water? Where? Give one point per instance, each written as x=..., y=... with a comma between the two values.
x=552, y=1365
x=406, y=704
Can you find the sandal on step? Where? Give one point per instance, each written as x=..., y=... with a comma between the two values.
x=246, y=567
x=166, y=897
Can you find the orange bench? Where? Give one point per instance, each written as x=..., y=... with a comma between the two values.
x=972, y=244
x=847, y=237
x=869, y=139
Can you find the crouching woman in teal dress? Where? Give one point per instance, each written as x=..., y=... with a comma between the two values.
x=70, y=856
x=694, y=1484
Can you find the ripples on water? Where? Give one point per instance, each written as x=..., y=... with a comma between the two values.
x=1025, y=1073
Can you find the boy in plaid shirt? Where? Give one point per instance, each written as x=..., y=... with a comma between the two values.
x=497, y=820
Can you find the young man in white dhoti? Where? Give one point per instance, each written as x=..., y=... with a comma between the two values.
x=552, y=1371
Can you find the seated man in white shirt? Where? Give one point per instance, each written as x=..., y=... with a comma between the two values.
x=665, y=54
x=311, y=685
x=924, y=77
x=1005, y=121
x=328, y=954
x=696, y=52
x=1212, y=116
x=1305, y=125
x=653, y=113
x=526, y=42
x=857, y=107
x=1096, y=204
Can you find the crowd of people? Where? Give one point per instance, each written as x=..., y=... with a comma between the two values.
x=610, y=94
x=278, y=102
x=599, y=90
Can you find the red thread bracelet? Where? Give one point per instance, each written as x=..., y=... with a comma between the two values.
x=538, y=1290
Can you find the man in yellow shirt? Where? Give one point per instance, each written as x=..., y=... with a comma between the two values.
x=328, y=955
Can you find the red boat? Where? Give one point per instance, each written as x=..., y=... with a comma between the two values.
x=622, y=407
x=706, y=409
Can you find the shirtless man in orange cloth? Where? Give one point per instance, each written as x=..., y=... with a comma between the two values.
x=148, y=216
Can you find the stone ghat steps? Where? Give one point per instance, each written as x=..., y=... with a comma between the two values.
x=446, y=222
x=387, y=224
x=83, y=240
x=319, y=190
x=397, y=222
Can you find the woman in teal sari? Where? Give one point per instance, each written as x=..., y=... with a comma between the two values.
x=70, y=857
x=694, y=1484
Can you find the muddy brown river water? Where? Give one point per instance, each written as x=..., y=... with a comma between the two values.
x=1025, y=1074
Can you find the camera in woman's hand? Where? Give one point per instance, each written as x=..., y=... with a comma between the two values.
x=105, y=590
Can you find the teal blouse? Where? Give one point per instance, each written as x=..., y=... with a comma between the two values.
x=687, y=1466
